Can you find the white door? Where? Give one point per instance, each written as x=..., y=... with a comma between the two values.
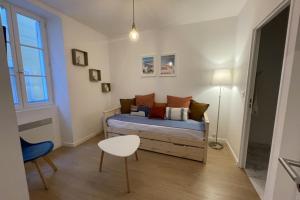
x=285, y=188
x=286, y=143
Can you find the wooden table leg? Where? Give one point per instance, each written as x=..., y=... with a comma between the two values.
x=40, y=173
x=101, y=161
x=49, y=161
x=127, y=177
x=136, y=156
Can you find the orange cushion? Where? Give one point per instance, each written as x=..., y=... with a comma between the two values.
x=145, y=100
x=160, y=104
x=178, y=102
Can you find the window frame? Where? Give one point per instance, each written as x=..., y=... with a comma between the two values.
x=12, y=11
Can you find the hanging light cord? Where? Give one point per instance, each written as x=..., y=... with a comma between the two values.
x=133, y=24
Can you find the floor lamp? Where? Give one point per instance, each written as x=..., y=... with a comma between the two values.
x=221, y=77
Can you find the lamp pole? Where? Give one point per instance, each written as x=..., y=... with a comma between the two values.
x=216, y=145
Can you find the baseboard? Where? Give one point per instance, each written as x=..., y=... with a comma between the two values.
x=232, y=152
x=82, y=140
x=225, y=141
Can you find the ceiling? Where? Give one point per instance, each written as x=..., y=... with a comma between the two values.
x=113, y=17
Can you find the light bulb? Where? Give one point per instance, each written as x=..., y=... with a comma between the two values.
x=134, y=35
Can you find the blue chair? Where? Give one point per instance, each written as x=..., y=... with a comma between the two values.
x=33, y=151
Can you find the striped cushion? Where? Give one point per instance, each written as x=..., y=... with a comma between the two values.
x=180, y=114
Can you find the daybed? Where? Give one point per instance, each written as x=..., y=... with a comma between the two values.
x=182, y=139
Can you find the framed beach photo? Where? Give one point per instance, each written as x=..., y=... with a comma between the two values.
x=167, y=65
x=148, y=66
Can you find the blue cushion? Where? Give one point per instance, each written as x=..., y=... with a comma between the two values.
x=145, y=109
x=33, y=151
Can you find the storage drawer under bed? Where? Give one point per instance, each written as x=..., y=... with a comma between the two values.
x=178, y=150
x=187, y=140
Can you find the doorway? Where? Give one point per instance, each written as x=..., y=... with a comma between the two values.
x=266, y=76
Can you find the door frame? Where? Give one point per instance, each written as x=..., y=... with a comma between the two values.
x=288, y=64
x=256, y=34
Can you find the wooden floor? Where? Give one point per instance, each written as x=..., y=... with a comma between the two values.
x=154, y=177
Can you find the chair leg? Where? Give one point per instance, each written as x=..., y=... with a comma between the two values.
x=127, y=177
x=40, y=173
x=49, y=161
x=101, y=161
x=136, y=156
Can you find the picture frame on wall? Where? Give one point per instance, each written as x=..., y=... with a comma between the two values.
x=168, y=65
x=95, y=75
x=106, y=87
x=148, y=66
x=79, y=57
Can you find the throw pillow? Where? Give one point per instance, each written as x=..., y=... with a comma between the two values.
x=160, y=104
x=197, y=110
x=145, y=100
x=133, y=108
x=126, y=105
x=178, y=102
x=180, y=114
x=157, y=113
x=144, y=109
x=139, y=113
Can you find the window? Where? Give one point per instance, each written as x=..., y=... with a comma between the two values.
x=26, y=57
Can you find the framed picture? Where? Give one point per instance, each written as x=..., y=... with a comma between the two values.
x=79, y=58
x=95, y=75
x=148, y=66
x=168, y=65
x=106, y=87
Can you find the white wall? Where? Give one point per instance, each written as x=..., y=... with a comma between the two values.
x=279, y=186
x=80, y=101
x=13, y=181
x=87, y=100
x=59, y=75
x=251, y=15
x=200, y=48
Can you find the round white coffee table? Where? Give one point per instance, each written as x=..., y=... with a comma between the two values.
x=121, y=146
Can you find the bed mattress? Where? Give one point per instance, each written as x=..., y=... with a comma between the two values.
x=169, y=130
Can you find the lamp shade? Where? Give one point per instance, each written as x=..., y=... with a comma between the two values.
x=222, y=77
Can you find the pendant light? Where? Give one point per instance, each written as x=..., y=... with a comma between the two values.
x=133, y=35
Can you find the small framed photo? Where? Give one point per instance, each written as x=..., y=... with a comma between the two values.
x=106, y=87
x=168, y=65
x=79, y=58
x=148, y=66
x=95, y=75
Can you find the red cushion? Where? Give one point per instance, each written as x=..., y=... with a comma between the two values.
x=178, y=102
x=157, y=112
x=145, y=100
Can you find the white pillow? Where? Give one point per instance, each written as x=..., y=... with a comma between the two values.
x=180, y=114
x=139, y=113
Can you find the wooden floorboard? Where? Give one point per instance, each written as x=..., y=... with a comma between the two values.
x=154, y=177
